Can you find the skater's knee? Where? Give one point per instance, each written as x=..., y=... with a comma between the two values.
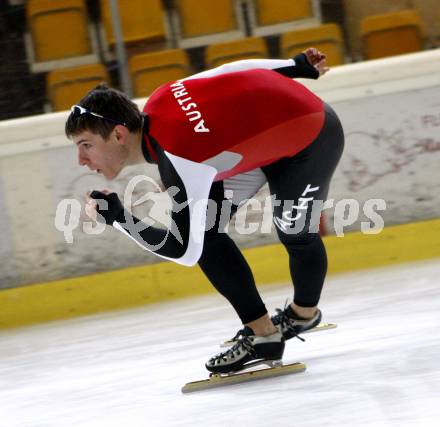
x=293, y=241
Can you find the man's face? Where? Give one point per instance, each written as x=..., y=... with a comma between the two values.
x=106, y=157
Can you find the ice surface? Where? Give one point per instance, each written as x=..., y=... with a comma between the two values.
x=126, y=368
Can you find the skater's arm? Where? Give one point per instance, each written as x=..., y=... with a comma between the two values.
x=163, y=242
x=188, y=185
x=309, y=64
x=243, y=65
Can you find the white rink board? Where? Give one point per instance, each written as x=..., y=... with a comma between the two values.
x=378, y=368
x=390, y=111
x=393, y=153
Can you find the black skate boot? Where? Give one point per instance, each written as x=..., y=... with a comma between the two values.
x=248, y=350
x=291, y=325
x=287, y=321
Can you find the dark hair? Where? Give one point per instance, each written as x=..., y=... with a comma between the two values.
x=109, y=103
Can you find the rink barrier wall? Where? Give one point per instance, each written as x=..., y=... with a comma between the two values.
x=391, y=118
x=139, y=286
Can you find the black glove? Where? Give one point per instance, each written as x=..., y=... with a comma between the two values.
x=303, y=67
x=114, y=206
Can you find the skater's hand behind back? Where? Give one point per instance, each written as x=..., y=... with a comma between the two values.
x=317, y=59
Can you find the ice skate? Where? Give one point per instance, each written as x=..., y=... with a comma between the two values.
x=290, y=324
x=248, y=350
x=219, y=380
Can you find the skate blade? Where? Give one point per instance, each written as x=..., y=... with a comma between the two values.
x=218, y=380
x=319, y=328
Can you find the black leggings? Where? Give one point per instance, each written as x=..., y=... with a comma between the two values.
x=301, y=184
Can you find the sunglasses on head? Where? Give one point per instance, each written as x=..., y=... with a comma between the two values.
x=77, y=110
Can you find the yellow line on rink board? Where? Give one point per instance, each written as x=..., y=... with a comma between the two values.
x=137, y=286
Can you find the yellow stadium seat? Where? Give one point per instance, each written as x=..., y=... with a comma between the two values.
x=141, y=21
x=67, y=86
x=195, y=20
x=327, y=38
x=268, y=17
x=221, y=53
x=150, y=70
x=270, y=12
x=391, y=34
x=59, y=29
x=201, y=24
